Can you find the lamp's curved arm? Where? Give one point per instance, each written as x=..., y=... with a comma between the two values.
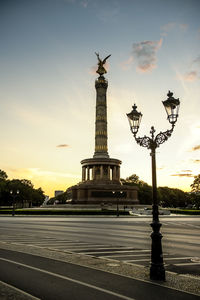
x=163, y=136
x=144, y=141
x=153, y=143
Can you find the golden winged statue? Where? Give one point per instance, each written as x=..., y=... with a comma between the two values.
x=101, y=70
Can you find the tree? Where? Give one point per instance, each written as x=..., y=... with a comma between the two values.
x=144, y=190
x=3, y=175
x=195, y=186
x=170, y=197
x=195, y=191
x=167, y=197
x=27, y=195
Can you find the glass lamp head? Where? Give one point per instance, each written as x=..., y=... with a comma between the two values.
x=134, y=118
x=172, y=108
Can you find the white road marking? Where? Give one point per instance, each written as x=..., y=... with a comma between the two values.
x=187, y=264
x=165, y=259
x=70, y=279
x=142, y=254
x=101, y=252
x=31, y=297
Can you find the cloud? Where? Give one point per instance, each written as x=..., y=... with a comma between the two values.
x=84, y=3
x=183, y=175
x=145, y=54
x=62, y=146
x=125, y=65
x=171, y=26
x=197, y=60
x=195, y=148
x=93, y=70
x=161, y=168
x=167, y=28
x=190, y=76
x=194, y=73
x=196, y=161
x=183, y=27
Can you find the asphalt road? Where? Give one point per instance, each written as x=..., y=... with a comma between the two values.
x=125, y=239
x=50, y=279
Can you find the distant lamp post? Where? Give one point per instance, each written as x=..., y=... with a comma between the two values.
x=14, y=195
x=157, y=271
x=117, y=194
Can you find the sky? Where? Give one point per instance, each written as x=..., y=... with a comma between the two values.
x=47, y=92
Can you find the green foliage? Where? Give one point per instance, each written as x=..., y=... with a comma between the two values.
x=195, y=186
x=27, y=195
x=144, y=190
x=3, y=175
x=167, y=197
x=170, y=197
x=195, y=192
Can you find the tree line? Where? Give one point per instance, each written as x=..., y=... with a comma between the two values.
x=20, y=192
x=167, y=197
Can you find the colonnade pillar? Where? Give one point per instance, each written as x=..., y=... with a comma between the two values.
x=83, y=173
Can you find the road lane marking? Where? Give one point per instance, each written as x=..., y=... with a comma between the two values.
x=31, y=297
x=187, y=264
x=165, y=259
x=69, y=279
x=102, y=252
x=136, y=260
x=131, y=254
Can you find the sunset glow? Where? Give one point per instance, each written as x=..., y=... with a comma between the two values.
x=47, y=92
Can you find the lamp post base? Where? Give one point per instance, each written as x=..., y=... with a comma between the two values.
x=157, y=272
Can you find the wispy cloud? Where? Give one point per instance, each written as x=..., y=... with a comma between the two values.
x=196, y=161
x=84, y=3
x=197, y=61
x=193, y=74
x=183, y=27
x=183, y=175
x=92, y=70
x=62, y=146
x=190, y=76
x=125, y=65
x=161, y=168
x=145, y=54
x=165, y=29
x=195, y=148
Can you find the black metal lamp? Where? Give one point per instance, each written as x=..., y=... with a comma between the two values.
x=157, y=270
x=172, y=108
x=14, y=196
x=134, y=118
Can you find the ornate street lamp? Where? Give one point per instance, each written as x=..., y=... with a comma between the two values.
x=118, y=195
x=157, y=270
x=14, y=196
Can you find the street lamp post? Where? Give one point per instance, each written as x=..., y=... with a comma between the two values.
x=157, y=270
x=14, y=196
x=118, y=194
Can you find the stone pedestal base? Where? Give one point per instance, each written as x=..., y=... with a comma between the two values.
x=95, y=193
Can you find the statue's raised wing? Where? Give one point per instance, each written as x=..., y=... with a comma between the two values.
x=104, y=61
